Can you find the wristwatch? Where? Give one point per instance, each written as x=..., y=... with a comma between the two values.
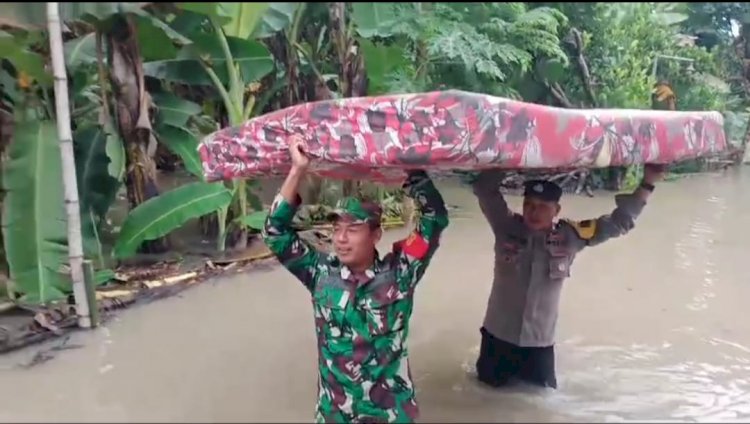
x=646, y=186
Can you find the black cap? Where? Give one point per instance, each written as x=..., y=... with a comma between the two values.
x=543, y=190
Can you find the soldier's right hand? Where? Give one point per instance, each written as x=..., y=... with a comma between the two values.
x=298, y=151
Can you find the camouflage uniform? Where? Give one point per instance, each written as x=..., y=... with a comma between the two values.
x=530, y=268
x=362, y=322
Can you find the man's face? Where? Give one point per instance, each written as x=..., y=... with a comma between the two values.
x=354, y=243
x=539, y=215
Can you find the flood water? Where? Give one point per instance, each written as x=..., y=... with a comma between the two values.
x=653, y=326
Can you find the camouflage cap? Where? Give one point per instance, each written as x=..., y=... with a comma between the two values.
x=359, y=211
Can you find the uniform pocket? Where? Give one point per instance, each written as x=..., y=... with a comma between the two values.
x=508, y=252
x=386, y=310
x=331, y=297
x=559, y=267
x=331, y=304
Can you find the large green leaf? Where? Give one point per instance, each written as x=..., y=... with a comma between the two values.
x=381, y=61
x=34, y=15
x=183, y=69
x=183, y=143
x=153, y=42
x=173, y=110
x=155, y=38
x=236, y=19
x=160, y=215
x=143, y=18
x=116, y=153
x=276, y=18
x=103, y=276
x=254, y=221
x=97, y=189
x=16, y=52
x=81, y=50
x=188, y=23
x=253, y=58
x=9, y=92
x=216, y=11
x=245, y=18
x=374, y=19
x=34, y=220
x=551, y=70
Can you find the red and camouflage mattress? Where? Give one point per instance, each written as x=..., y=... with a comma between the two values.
x=377, y=138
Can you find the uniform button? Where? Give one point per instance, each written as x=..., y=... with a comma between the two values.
x=561, y=267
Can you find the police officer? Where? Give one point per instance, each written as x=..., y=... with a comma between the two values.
x=533, y=255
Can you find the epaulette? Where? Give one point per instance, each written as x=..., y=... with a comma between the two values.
x=585, y=229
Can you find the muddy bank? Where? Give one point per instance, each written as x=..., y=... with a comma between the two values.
x=651, y=328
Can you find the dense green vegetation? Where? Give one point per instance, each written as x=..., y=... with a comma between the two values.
x=147, y=81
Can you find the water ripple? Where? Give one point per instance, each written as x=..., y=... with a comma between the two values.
x=637, y=384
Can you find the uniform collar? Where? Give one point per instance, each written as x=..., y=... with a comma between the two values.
x=370, y=272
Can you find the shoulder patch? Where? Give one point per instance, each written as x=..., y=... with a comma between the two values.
x=415, y=246
x=585, y=229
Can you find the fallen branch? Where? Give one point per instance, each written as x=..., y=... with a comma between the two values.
x=7, y=306
x=559, y=95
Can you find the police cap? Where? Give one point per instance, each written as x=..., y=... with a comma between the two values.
x=543, y=190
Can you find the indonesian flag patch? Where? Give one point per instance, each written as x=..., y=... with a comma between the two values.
x=416, y=246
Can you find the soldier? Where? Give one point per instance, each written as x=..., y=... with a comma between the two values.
x=362, y=303
x=533, y=255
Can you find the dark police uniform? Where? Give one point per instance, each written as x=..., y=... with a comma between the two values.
x=518, y=333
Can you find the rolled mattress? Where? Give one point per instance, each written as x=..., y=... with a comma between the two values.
x=379, y=138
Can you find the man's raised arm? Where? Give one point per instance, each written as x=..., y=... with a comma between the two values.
x=296, y=255
x=592, y=232
x=486, y=187
x=414, y=252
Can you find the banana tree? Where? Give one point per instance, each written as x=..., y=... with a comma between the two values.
x=226, y=58
x=40, y=168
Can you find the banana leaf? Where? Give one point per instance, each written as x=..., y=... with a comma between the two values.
x=34, y=220
x=254, y=221
x=160, y=215
x=97, y=189
x=252, y=57
x=173, y=110
x=237, y=19
x=183, y=143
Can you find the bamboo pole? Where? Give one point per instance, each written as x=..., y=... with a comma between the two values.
x=88, y=279
x=70, y=184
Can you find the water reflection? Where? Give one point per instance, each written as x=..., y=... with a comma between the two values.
x=652, y=328
x=626, y=384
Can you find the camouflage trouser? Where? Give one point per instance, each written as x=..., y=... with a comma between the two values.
x=340, y=417
x=325, y=414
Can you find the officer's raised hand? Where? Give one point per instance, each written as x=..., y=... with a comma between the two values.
x=653, y=173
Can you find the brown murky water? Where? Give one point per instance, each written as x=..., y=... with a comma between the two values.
x=653, y=327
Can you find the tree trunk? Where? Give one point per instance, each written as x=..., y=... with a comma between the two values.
x=70, y=183
x=132, y=115
x=352, y=73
